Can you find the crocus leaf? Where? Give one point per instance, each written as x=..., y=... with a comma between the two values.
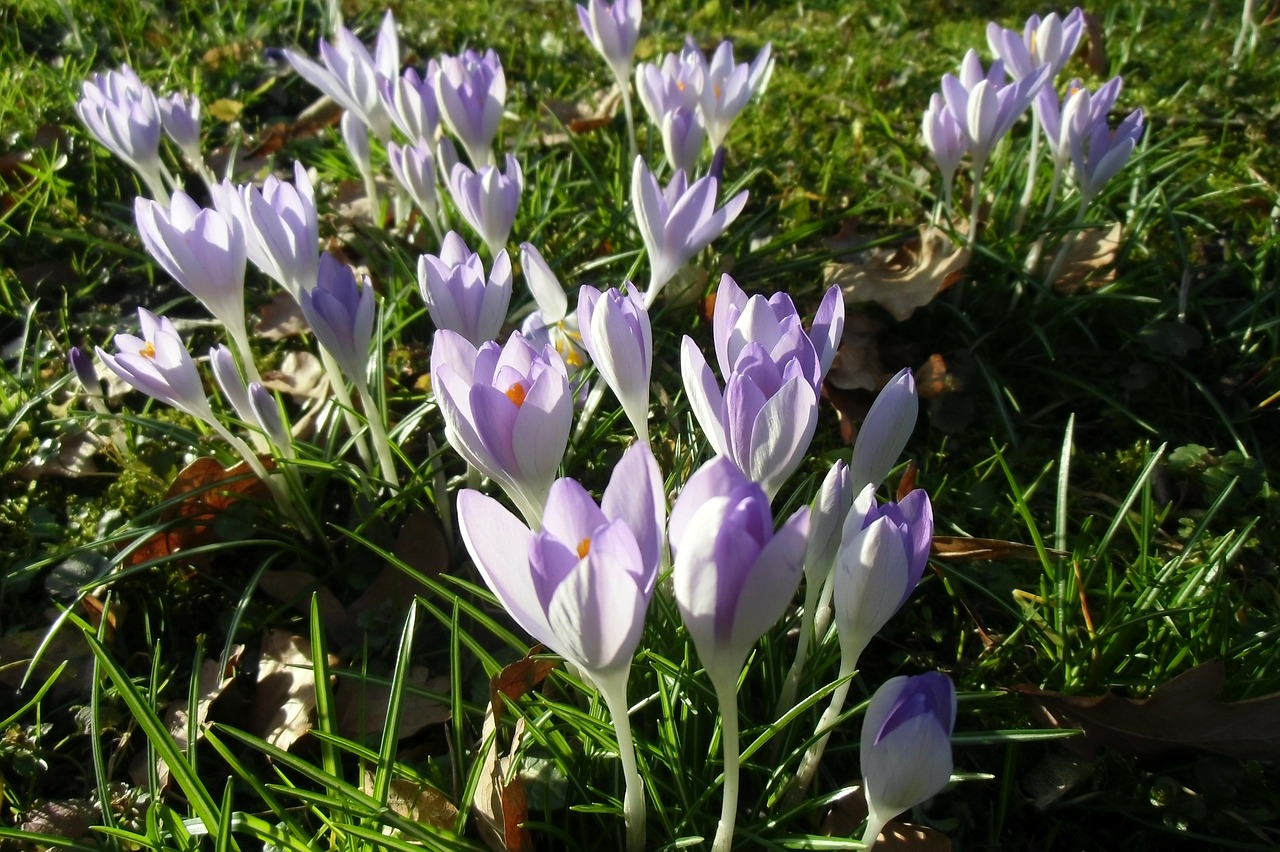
x=1182, y=714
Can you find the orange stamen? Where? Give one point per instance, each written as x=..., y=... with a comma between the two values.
x=584, y=547
x=148, y=351
x=515, y=393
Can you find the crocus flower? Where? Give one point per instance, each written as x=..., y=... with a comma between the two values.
x=266, y=412
x=488, y=200
x=352, y=77
x=885, y=431
x=227, y=373
x=1098, y=152
x=411, y=100
x=180, y=118
x=82, y=364
x=582, y=584
x=728, y=87
x=733, y=577
x=682, y=136
x=616, y=331
x=201, y=250
x=677, y=222
x=906, y=746
x=552, y=323
x=122, y=113
x=159, y=365
x=415, y=168
x=986, y=104
x=280, y=225
x=1091, y=107
x=341, y=313
x=457, y=294
x=675, y=84
x=470, y=91
x=1049, y=41
x=614, y=29
x=507, y=410
x=947, y=141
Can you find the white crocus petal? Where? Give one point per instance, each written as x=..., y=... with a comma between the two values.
x=543, y=284
x=781, y=433
x=870, y=584
x=703, y=391
x=768, y=589
x=885, y=431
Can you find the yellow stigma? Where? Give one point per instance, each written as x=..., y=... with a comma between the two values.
x=148, y=351
x=680, y=85
x=572, y=358
x=584, y=547
x=515, y=393
x=716, y=89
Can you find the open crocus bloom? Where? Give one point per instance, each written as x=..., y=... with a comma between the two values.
x=580, y=585
x=470, y=92
x=354, y=78
x=906, y=746
x=1043, y=41
x=159, y=365
x=986, y=104
x=123, y=114
x=507, y=410
x=728, y=86
x=614, y=29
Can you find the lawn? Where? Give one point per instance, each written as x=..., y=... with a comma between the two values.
x=287, y=621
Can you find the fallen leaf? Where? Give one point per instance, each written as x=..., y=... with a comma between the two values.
x=1090, y=260
x=934, y=378
x=904, y=278
x=1182, y=714
x=280, y=318
x=69, y=455
x=961, y=548
x=286, y=692
x=848, y=814
x=362, y=704
x=225, y=110
x=501, y=805
x=1096, y=56
x=237, y=52
x=295, y=589
x=518, y=678
x=557, y=116
x=215, y=677
x=418, y=802
x=301, y=375
x=857, y=364
x=200, y=493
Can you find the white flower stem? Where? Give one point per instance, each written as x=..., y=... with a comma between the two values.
x=813, y=757
x=155, y=185
x=371, y=191
x=726, y=687
x=1033, y=160
x=975, y=207
x=613, y=688
x=588, y=410
x=339, y=385
x=787, y=699
x=1064, y=250
x=875, y=825
x=625, y=85
x=381, y=443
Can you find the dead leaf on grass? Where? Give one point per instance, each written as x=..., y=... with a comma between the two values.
x=286, y=692
x=419, y=802
x=557, y=116
x=361, y=705
x=857, y=365
x=955, y=548
x=846, y=817
x=69, y=455
x=903, y=278
x=1090, y=260
x=215, y=677
x=1182, y=714
x=280, y=318
x=301, y=375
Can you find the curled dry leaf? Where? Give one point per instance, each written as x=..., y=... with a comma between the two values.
x=1182, y=714
x=557, y=116
x=903, y=278
x=301, y=375
x=215, y=677
x=1090, y=259
x=419, y=802
x=280, y=318
x=955, y=548
x=286, y=692
x=857, y=365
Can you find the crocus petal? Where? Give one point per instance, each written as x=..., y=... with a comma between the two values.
x=885, y=431
x=499, y=546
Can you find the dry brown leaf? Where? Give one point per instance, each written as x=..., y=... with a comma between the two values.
x=499, y=803
x=849, y=811
x=557, y=116
x=286, y=692
x=1090, y=260
x=857, y=365
x=361, y=705
x=215, y=677
x=207, y=490
x=934, y=378
x=240, y=51
x=418, y=802
x=280, y=318
x=955, y=548
x=1182, y=714
x=904, y=278
x=1096, y=56
x=301, y=375
x=295, y=589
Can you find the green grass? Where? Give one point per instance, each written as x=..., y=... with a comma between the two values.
x=1125, y=432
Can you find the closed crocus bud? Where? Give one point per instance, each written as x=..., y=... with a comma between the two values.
x=470, y=91
x=507, y=410
x=82, y=364
x=1044, y=41
x=885, y=431
x=415, y=169
x=614, y=29
x=457, y=294
x=266, y=413
x=411, y=100
x=341, y=314
x=201, y=250
x=227, y=373
x=945, y=137
x=733, y=576
x=159, y=365
x=906, y=746
x=544, y=286
x=883, y=552
x=1099, y=152
x=280, y=224
x=827, y=514
x=180, y=117
x=1050, y=110
x=677, y=222
x=122, y=113
x=682, y=136
x=488, y=200
x=352, y=77
x=617, y=334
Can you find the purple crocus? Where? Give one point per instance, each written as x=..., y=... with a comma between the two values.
x=682, y=136
x=415, y=169
x=733, y=577
x=677, y=222
x=507, y=410
x=470, y=91
x=616, y=332
x=906, y=746
x=1098, y=151
x=458, y=295
x=986, y=105
x=340, y=312
x=675, y=84
x=280, y=225
x=410, y=99
x=728, y=86
x=551, y=323
x=883, y=553
x=614, y=29
x=159, y=365
x=582, y=584
x=885, y=431
x=180, y=118
x=488, y=200
x=354, y=78
x=122, y=113
x=1043, y=41
x=766, y=415
x=947, y=141
x=1091, y=108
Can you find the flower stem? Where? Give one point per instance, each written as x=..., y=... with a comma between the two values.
x=625, y=85
x=726, y=687
x=339, y=385
x=381, y=444
x=787, y=699
x=975, y=207
x=809, y=763
x=1064, y=250
x=1033, y=160
x=613, y=688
